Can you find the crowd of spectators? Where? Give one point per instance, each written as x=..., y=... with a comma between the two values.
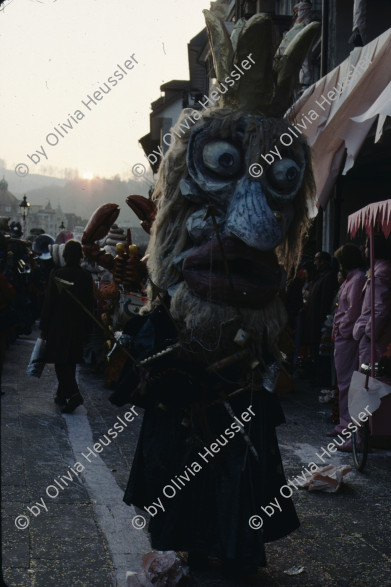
x=329, y=308
x=23, y=281
x=328, y=304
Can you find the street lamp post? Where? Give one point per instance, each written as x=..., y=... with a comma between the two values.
x=24, y=208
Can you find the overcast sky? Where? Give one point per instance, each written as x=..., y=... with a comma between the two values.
x=56, y=52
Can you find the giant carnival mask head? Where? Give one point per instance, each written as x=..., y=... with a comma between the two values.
x=226, y=228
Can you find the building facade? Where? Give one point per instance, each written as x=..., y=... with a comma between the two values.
x=50, y=219
x=9, y=204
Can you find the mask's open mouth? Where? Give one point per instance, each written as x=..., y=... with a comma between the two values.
x=255, y=275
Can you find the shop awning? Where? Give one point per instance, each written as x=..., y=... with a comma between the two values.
x=375, y=215
x=342, y=125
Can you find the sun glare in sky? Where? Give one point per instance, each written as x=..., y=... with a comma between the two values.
x=102, y=134
x=87, y=175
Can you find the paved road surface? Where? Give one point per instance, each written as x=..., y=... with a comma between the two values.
x=81, y=533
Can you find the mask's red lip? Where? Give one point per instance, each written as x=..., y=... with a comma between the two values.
x=255, y=275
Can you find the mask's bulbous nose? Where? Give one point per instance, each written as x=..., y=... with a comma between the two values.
x=250, y=218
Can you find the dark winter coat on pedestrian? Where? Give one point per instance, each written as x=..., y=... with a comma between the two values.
x=64, y=323
x=318, y=306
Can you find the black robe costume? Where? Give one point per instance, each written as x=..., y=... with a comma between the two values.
x=207, y=507
x=64, y=322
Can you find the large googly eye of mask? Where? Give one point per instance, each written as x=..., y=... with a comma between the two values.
x=284, y=175
x=284, y=178
x=222, y=158
x=215, y=163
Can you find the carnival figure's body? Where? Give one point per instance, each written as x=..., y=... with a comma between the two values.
x=207, y=458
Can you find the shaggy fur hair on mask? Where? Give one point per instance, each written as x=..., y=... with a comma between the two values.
x=169, y=235
x=204, y=325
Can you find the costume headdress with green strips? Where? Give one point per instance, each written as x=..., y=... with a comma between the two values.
x=210, y=207
x=268, y=86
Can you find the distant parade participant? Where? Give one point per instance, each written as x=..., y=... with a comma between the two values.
x=66, y=326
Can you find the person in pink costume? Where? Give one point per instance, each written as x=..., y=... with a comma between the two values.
x=346, y=353
x=362, y=328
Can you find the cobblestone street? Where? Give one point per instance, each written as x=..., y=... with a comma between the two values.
x=80, y=531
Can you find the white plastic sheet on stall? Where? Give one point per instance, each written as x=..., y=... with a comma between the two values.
x=361, y=398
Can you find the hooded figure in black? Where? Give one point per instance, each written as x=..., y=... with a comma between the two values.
x=207, y=460
x=65, y=325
